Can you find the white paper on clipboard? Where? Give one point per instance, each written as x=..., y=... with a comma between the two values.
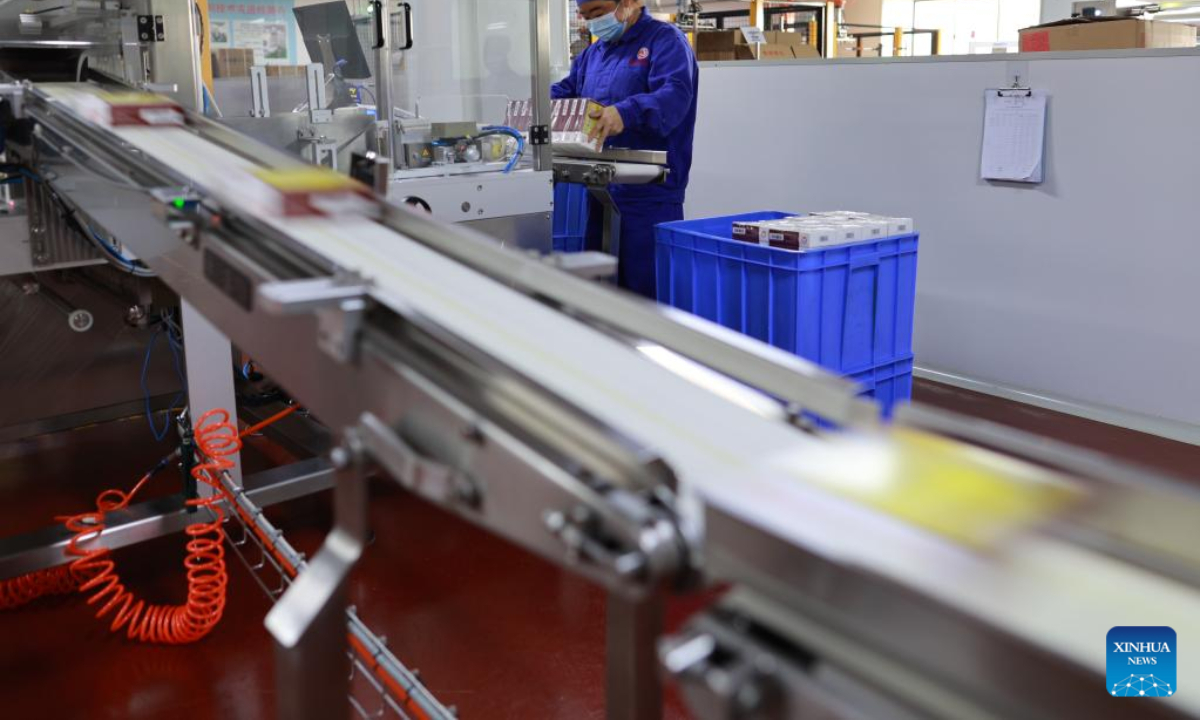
x=1014, y=136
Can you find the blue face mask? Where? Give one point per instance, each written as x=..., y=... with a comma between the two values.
x=607, y=27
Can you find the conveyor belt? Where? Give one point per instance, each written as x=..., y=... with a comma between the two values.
x=1052, y=594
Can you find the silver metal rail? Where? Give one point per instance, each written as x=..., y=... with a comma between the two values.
x=616, y=155
x=798, y=383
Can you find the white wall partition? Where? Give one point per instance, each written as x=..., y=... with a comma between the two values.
x=1080, y=294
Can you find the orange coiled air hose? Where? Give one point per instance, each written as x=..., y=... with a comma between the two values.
x=94, y=569
x=205, y=562
x=25, y=589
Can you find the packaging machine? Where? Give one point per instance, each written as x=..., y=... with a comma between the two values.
x=938, y=567
x=435, y=123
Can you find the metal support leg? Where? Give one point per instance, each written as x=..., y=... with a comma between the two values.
x=634, y=690
x=543, y=158
x=209, y=359
x=384, y=129
x=611, y=243
x=312, y=670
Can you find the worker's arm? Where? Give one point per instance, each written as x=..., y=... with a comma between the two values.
x=670, y=98
x=569, y=86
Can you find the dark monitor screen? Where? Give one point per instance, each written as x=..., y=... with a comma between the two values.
x=332, y=20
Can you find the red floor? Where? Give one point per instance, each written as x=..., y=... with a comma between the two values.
x=494, y=631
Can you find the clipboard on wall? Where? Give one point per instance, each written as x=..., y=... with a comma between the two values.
x=1014, y=135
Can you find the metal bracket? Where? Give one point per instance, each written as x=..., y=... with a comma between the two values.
x=338, y=329
x=176, y=208
x=583, y=535
x=314, y=75
x=539, y=135
x=655, y=554
x=414, y=471
x=319, y=149
x=187, y=460
x=15, y=94
x=338, y=302
x=151, y=28
x=260, y=95
x=736, y=661
x=598, y=174
x=373, y=170
x=160, y=87
x=721, y=673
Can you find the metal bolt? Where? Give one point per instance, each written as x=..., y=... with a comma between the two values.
x=630, y=564
x=466, y=207
x=749, y=697
x=474, y=433
x=766, y=665
x=480, y=211
x=467, y=493
x=555, y=521
x=339, y=457
x=479, y=188
x=81, y=321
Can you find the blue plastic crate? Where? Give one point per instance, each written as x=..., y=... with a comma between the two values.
x=889, y=384
x=848, y=308
x=570, y=217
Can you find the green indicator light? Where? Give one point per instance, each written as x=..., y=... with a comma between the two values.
x=179, y=203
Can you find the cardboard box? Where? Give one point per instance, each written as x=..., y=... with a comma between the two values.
x=766, y=51
x=749, y=232
x=285, y=71
x=801, y=237
x=302, y=191
x=1106, y=34
x=719, y=40
x=122, y=108
x=232, y=62
x=715, y=55
x=793, y=39
x=725, y=45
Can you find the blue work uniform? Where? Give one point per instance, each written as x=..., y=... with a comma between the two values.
x=650, y=76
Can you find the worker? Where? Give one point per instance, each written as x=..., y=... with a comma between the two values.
x=645, y=74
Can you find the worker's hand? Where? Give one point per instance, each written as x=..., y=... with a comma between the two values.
x=608, y=123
